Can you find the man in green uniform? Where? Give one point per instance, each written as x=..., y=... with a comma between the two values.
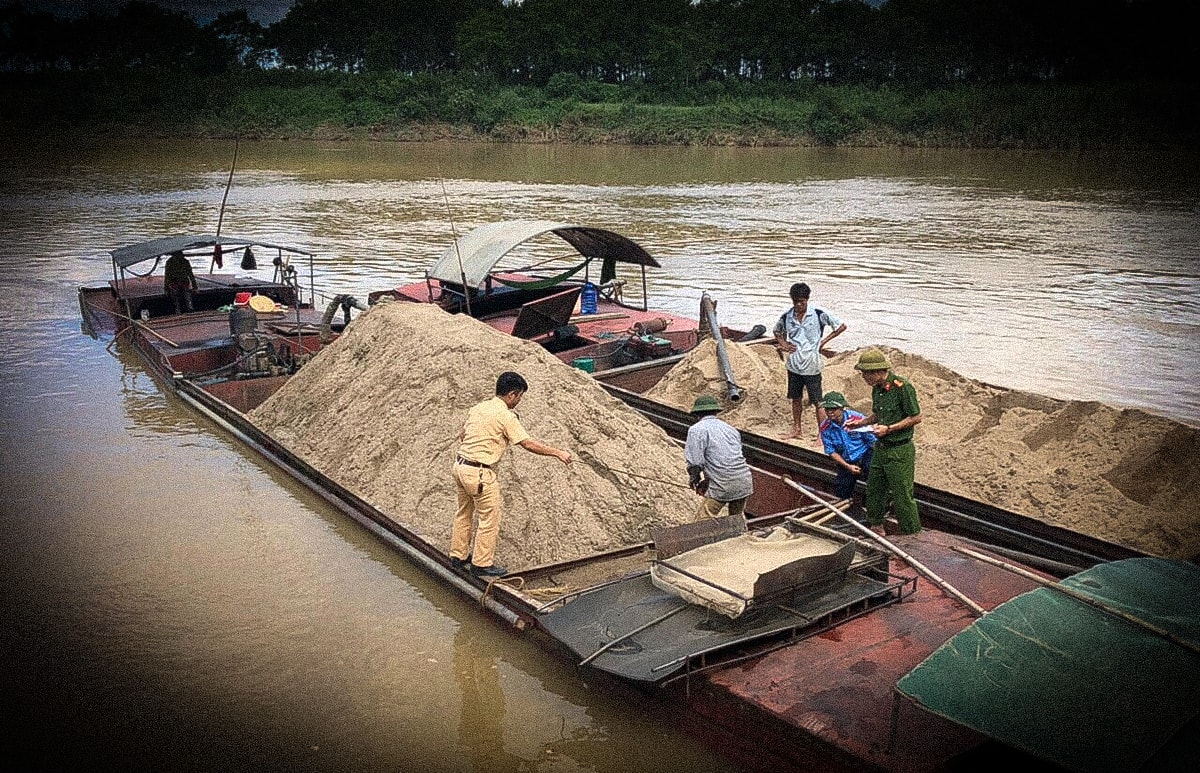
x=894, y=414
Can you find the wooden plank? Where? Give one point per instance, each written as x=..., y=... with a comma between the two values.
x=597, y=317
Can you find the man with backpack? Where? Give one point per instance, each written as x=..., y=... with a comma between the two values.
x=798, y=337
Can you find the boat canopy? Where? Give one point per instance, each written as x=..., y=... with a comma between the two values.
x=133, y=254
x=1077, y=685
x=481, y=249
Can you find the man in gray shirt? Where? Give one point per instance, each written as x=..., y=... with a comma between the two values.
x=714, y=449
x=801, y=339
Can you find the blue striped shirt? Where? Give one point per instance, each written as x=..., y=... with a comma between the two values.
x=848, y=445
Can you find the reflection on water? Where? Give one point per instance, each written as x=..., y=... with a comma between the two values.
x=481, y=716
x=174, y=603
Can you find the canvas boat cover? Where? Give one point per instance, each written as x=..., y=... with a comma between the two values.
x=132, y=254
x=728, y=576
x=1075, y=685
x=476, y=253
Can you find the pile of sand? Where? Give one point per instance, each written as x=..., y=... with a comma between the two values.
x=1126, y=476
x=379, y=411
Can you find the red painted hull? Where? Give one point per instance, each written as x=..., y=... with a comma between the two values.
x=826, y=702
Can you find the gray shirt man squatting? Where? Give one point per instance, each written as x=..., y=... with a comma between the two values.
x=714, y=448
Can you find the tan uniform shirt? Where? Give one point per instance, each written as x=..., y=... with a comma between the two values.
x=488, y=431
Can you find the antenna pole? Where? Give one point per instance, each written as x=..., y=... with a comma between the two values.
x=224, y=198
x=454, y=232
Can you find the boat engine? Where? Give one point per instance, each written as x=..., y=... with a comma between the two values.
x=256, y=355
x=259, y=358
x=649, y=347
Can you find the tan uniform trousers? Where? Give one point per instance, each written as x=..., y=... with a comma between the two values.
x=478, y=497
x=711, y=508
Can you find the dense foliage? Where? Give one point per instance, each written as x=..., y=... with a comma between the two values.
x=678, y=42
x=961, y=72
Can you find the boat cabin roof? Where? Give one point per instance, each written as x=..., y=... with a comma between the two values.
x=475, y=254
x=132, y=254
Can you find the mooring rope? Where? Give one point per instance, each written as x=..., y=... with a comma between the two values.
x=599, y=463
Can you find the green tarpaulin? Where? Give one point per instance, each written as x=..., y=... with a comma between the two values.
x=1074, y=685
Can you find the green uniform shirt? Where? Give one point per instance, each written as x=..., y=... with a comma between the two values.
x=892, y=401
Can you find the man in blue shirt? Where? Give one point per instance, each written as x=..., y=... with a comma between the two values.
x=851, y=449
x=714, y=449
x=798, y=337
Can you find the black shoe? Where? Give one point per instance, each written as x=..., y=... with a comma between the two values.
x=488, y=571
x=460, y=563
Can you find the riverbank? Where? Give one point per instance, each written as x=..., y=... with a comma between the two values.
x=395, y=107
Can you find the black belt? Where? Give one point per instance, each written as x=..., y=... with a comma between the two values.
x=473, y=463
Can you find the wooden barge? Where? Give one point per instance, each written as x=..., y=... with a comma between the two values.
x=805, y=678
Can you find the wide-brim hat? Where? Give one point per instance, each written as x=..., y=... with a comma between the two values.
x=834, y=400
x=706, y=404
x=872, y=359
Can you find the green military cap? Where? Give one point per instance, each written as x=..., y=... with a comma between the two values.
x=834, y=400
x=872, y=359
x=706, y=404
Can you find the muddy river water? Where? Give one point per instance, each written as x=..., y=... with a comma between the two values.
x=172, y=602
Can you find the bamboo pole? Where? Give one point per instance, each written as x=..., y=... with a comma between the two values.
x=1090, y=600
x=823, y=514
x=634, y=632
x=597, y=317
x=894, y=550
x=143, y=326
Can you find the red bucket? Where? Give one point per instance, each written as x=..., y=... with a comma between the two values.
x=241, y=299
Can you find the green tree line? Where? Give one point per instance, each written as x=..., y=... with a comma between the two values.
x=1022, y=73
x=668, y=42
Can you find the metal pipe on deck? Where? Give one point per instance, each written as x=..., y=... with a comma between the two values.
x=708, y=310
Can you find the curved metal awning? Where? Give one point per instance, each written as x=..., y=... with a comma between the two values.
x=132, y=254
x=481, y=249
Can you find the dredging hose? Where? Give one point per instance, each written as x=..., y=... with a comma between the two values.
x=709, y=309
x=343, y=302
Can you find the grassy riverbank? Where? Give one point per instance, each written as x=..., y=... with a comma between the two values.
x=392, y=106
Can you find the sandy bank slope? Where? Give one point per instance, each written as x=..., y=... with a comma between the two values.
x=1122, y=475
x=379, y=411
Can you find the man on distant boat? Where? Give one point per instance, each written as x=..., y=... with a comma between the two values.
x=714, y=450
x=798, y=338
x=179, y=281
x=489, y=429
x=893, y=464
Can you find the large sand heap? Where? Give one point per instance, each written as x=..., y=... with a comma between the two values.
x=1126, y=476
x=379, y=411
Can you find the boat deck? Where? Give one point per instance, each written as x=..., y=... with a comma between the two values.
x=600, y=341
x=199, y=342
x=829, y=698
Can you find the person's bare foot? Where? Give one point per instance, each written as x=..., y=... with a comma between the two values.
x=793, y=434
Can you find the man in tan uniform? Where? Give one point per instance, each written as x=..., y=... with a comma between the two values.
x=490, y=427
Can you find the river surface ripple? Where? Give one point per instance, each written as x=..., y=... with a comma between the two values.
x=173, y=602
